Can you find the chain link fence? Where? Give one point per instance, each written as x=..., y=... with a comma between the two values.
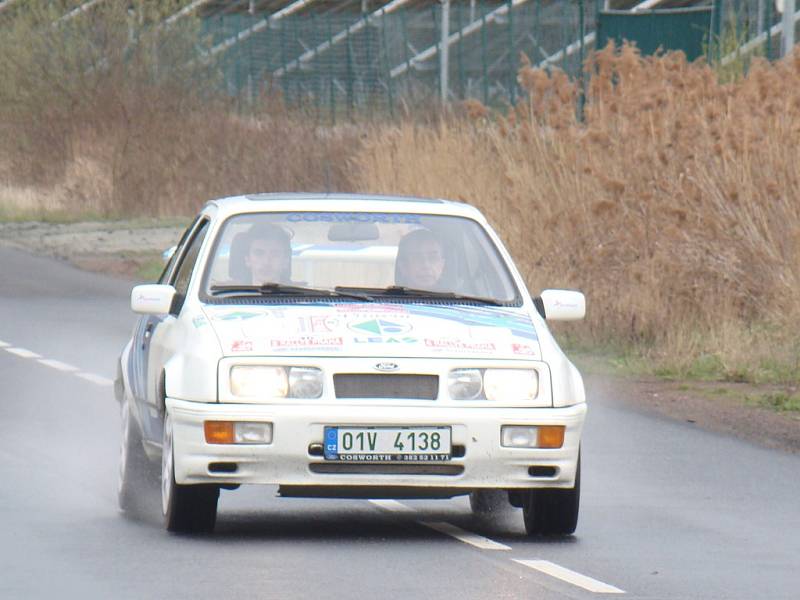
x=387, y=61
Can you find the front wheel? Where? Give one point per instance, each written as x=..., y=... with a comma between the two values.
x=488, y=502
x=186, y=508
x=134, y=466
x=553, y=511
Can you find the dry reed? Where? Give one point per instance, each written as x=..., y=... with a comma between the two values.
x=675, y=206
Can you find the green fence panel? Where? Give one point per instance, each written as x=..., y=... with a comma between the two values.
x=679, y=29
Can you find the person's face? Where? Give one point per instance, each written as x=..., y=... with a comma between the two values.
x=423, y=265
x=266, y=261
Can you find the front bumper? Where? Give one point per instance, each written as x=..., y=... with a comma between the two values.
x=288, y=462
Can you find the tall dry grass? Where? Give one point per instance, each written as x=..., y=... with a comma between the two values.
x=675, y=206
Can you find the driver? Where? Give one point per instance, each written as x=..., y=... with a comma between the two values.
x=420, y=261
x=269, y=254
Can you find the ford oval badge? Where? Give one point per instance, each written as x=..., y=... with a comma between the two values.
x=385, y=367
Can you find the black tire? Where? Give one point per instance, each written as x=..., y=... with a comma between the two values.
x=186, y=508
x=553, y=511
x=135, y=469
x=488, y=502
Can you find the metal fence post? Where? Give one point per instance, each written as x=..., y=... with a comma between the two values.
x=582, y=77
x=444, y=54
x=350, y=75
x=484, y=68
x=787, y=35
x=512, y=71
x=387, y=68
x=331, y=85
x=460, y=26
x=715, y=45
x=768, y=27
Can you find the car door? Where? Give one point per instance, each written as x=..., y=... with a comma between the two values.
x=142, y=334
x=159, y=341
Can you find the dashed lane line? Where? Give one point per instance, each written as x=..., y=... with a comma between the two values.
x=572, y=577
x=57, y=364
x=467, y=537
x=22, y=352
x=96, y=379
x=473, y=539
x=543, y=566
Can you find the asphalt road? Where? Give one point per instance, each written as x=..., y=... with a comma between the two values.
x=668, y=510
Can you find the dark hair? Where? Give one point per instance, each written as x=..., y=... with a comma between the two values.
x=267, y=231
x=240, y=247
x=418, y=236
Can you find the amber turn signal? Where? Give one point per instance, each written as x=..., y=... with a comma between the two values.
x=219, y=432
x=550, y=436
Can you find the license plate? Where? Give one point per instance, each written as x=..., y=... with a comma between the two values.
x=387, y=444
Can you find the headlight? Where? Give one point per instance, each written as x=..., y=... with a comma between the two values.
x=305, y=382
x=257, y=380
x=511, y=384
x=276, y=382
x=465, y=384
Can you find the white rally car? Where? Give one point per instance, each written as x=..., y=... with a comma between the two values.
x=349, y=346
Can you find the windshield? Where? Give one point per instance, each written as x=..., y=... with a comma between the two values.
x=357, y=255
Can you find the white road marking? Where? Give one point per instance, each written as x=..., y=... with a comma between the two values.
x=465, y=536
x=22, y=352
x=98, y=379
x=57, y=364
x=564, y=574
x=392, y=505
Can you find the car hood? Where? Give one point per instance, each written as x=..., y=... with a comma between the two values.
x=371, y=329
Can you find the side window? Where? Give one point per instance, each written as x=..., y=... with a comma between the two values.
x=184, y=271
x=169, y=267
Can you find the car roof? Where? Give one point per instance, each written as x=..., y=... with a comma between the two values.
x=325, y=202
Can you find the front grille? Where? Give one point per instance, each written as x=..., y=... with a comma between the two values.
x=334, y=468
x=380, y=385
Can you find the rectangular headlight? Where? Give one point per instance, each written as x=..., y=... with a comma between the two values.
x=511, y=384
x=259, y=380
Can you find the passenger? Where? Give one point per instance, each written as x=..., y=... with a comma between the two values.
x=268, y=254
x=420, y=261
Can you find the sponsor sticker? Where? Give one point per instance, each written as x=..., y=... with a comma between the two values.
x=241, y=346
x=306, y=341
x=383, y=327
x=463, y=345
x=523, y=349
x=384, y=339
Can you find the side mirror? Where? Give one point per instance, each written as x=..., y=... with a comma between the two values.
x=167, y=254
x=561, y=305
x=152, y=299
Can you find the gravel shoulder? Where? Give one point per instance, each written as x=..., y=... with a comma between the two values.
x=132, y=250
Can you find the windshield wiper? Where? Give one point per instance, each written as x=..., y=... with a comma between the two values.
x=399, y=290
x=268, y=289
